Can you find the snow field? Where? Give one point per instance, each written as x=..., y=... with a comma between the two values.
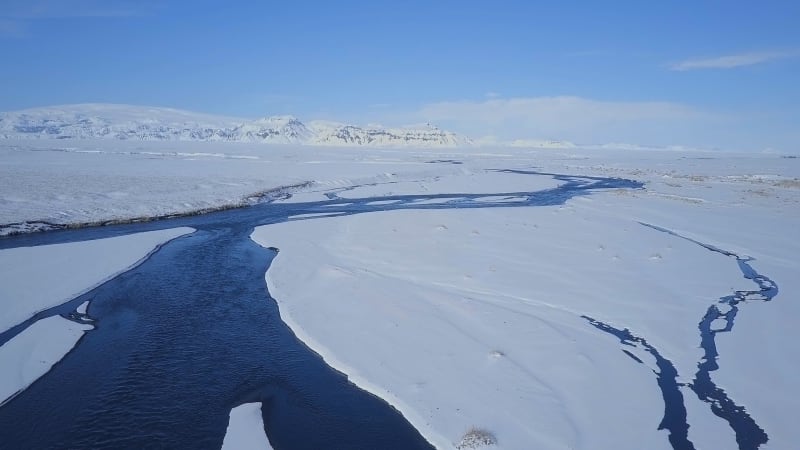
x=465, y=318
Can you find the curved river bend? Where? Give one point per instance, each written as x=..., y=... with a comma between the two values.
x=193, y=332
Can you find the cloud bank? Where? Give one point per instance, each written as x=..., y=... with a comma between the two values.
x=574, y=118
x=732, y=61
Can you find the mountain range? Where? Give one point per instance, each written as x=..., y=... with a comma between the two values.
x=108, y=121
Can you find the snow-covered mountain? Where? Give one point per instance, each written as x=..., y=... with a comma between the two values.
x=427, y=135
x=104, y=121
x=114, y=122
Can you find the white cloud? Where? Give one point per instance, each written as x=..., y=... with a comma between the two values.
x=572, y=118
x=732, y=61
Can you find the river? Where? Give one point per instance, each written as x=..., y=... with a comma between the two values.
x=193, y=332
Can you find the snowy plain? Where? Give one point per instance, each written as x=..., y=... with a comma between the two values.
x=466, y=318
x=33, y=279
x=473, y=317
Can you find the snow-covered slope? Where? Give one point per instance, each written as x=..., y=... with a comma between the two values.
x=106, y=121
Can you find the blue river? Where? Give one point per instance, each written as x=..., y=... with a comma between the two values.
x=193, y=332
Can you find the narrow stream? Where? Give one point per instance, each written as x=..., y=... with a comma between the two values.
x=674, y=419
x=749, y=435
x=193, y=332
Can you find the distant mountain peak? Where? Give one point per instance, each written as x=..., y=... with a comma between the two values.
x=113, y=121
x=276, y=119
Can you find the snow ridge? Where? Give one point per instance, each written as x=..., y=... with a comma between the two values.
x=125, y=122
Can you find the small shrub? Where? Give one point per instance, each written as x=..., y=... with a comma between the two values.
x=476, y=438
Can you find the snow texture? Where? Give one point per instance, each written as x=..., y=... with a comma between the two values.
x=33, y=352
x=246, y=429
x=464, y=318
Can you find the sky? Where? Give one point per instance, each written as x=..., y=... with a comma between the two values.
x=711, y=74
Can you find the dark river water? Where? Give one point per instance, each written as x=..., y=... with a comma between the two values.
x=749, y=435
x=193, y=332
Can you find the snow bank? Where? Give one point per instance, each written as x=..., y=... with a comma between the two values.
x=246, y=429
x=34, y=351
x=472, y=318
x=36, y=278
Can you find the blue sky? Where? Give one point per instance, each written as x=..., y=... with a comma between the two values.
x=697, y=73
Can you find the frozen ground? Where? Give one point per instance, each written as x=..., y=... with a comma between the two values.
x=73, y=182
x=87, y=181
x=33, y=279
x=477, y=318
